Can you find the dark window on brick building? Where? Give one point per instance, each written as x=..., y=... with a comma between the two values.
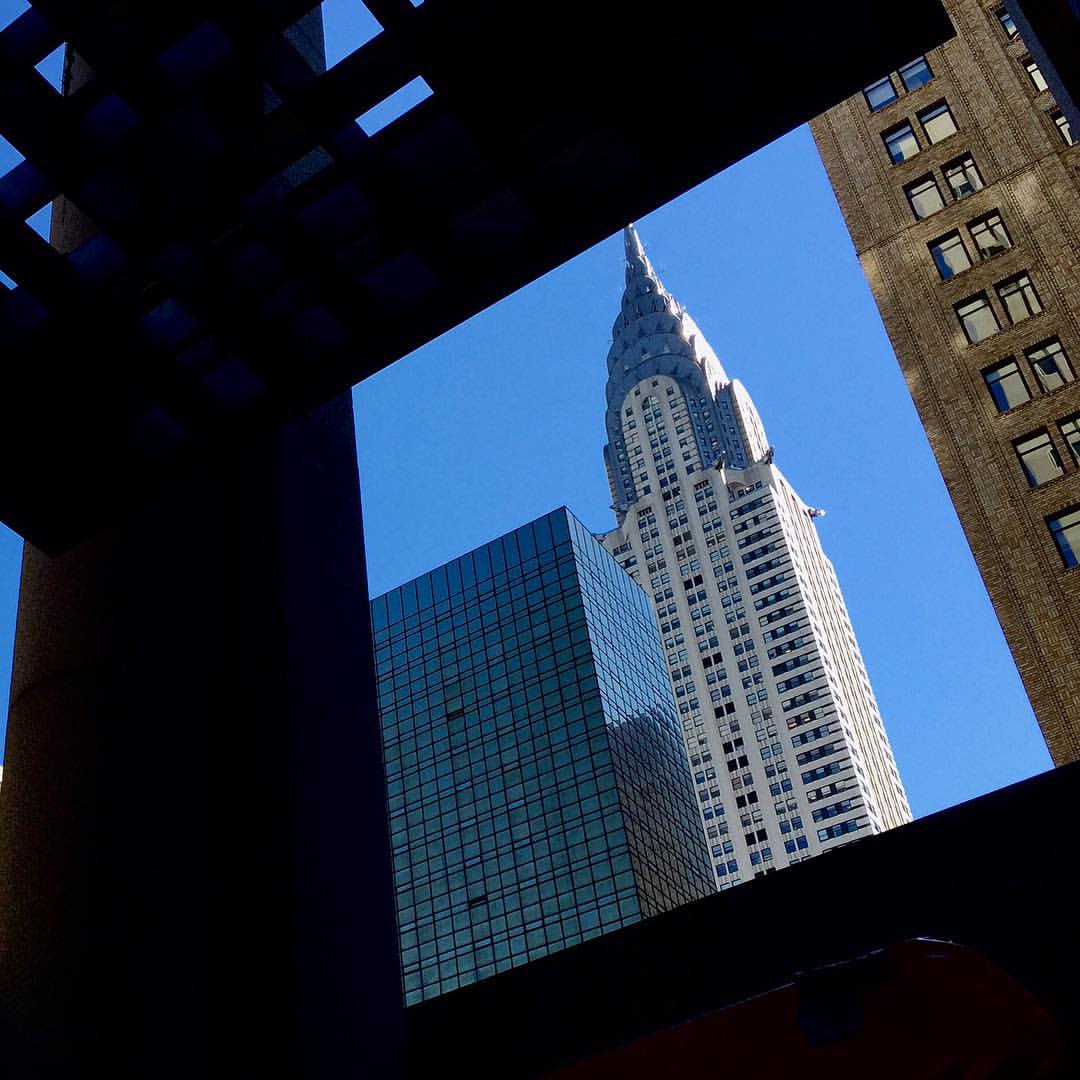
x=1038, y=457
x=1006, y=22
x=977, y=318
x=1062, y=124
x=937, y=122
x=916, y=74
x=964, y=177
x=1019, y=297
x=901, y=143
x=990, y=235
x=924, y=197
x=1050, y=364
x=880, y=94
x=1006, y=385
x=949, y=255
x=1065, y=529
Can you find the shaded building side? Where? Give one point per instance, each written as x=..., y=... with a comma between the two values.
x=538, y=790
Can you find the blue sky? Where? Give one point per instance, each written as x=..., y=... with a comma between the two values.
x=501, y=420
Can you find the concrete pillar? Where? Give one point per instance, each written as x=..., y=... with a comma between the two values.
x=195, y=877
x=194, y=867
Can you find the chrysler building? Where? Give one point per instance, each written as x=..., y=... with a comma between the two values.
x=784, y=738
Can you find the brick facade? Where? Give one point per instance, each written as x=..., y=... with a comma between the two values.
x=1006, y=124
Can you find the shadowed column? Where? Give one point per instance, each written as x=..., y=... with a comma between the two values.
x=194, y=868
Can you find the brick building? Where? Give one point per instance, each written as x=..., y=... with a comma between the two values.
x=957, y=177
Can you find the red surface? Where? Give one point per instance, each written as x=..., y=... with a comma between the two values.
x=920, y=1009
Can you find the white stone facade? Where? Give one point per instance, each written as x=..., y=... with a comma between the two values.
x=785, y=741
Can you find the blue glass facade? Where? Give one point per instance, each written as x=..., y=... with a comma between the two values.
x=538, y=788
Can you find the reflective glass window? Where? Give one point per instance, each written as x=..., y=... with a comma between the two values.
x=1035, y=75
x=1062, y=124
x=924, y=197
x=990, y=235
x=1038, y=457
x=1050, y=364
x=964, y=177
x=977, y=318
x=1065, y=529
x=916, y=74
x=937, y=122
x=901, y=143
x=949, y=255
x=880, y=94
x=1070, y=432
x=1019, y=297
x=1006, y=385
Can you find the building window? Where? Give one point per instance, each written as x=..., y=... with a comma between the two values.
x=964, y=177
x=1050, y=364
x=916, y=74
x=1006, y=385
x=901, y=143
x=1034, y=74
x=880, y=94
x=1038, y=457
x=937, y=122
x=990, y=235
x=1006, y=21
x=1062, y=124
x=977, y=318
x=1019, y=297
x=924, y=197
x=949, y=255
x=1070, y=432
x=1065, y=529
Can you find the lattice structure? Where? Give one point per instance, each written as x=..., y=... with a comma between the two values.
x=254, y=251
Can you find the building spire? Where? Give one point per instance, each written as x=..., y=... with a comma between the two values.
x=637, y=262
x=654, y=336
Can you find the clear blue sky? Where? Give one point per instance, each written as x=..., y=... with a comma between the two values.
x=501, y=420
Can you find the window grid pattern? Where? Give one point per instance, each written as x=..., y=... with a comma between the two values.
x=518, y=822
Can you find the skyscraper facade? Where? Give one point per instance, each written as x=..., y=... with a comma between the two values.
x=537, y=784
x=958, y=179
x=786, y=745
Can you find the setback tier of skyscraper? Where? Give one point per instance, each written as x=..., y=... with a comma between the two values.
x=786, y=745
x=537, y=784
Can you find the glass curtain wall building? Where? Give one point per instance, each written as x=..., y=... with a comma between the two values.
x=538, y=788
x=786, y=744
